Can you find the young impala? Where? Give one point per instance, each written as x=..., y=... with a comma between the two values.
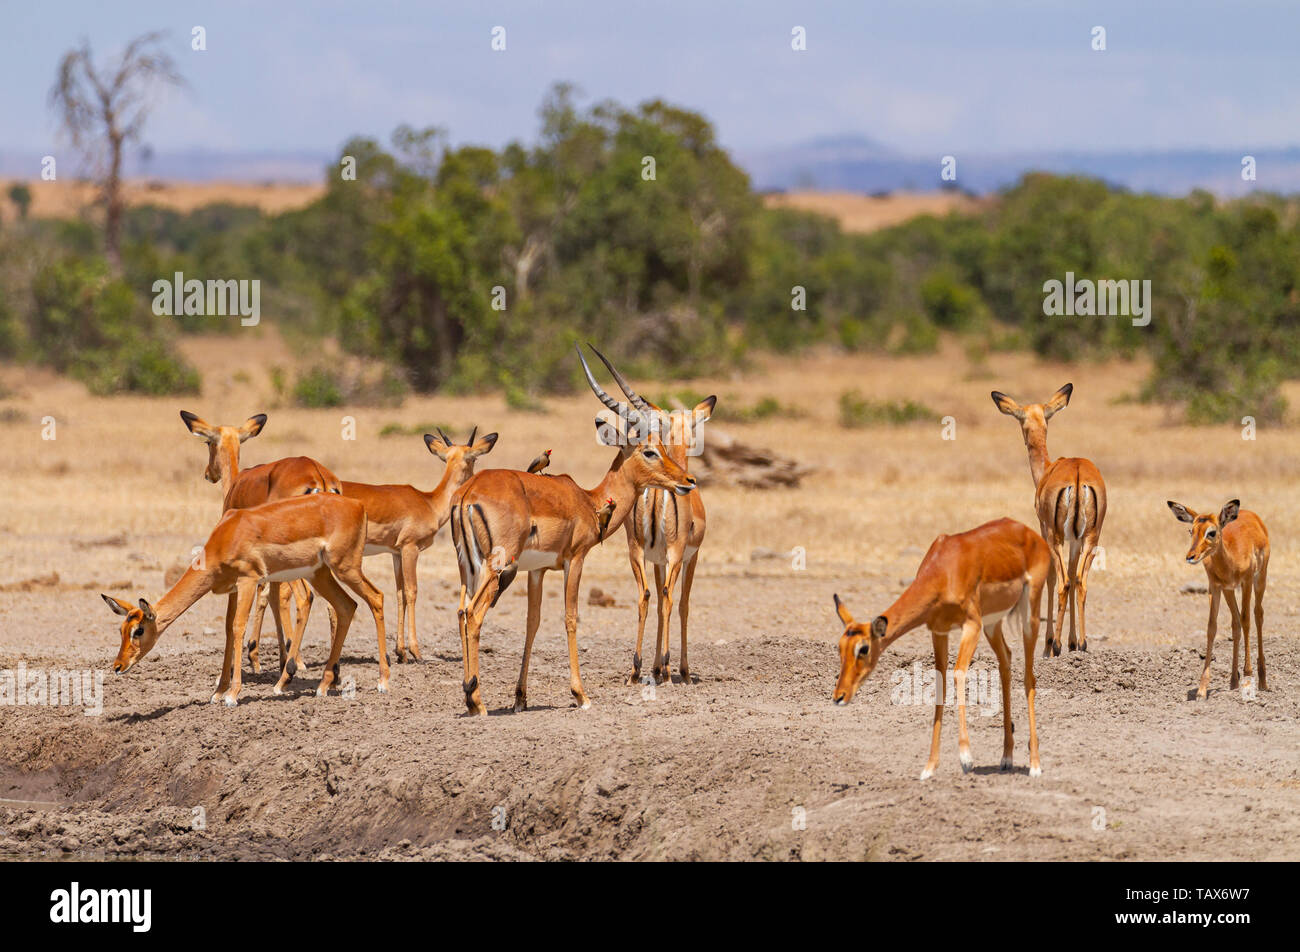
x=1233, y=547
x=503, y=521
x=665, y=531
x=972, y=582
x=403, y=521
x=243, y=489
x=314, y=537
x=1070, y=500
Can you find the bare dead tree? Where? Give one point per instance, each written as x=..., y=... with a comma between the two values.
x=102, y=109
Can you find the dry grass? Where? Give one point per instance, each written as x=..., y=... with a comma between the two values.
x=863, y=213
x=877, y=498
x=67, y=199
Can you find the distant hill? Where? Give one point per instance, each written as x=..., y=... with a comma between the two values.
x=856, y=164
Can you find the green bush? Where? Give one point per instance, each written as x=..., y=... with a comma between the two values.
x=857, y=411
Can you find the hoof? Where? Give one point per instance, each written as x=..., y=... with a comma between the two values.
x=231, y=702
x=927, y=773
x=1056, y=648
x=215, y=698
x=1035, y=771
x=1006, y=763
x=967, y=762
x=277, y=690
x=401, y=658
x=520, y=705
x=479, y=711
x=582, y=705
x=383, y=687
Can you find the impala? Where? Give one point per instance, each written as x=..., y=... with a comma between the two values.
x=972, y=581
x=1070, y=501
x=664, y=531
x=243, y=489
x=1233, y=547
x=314, y=537
x=402, y=521
x=504, y=521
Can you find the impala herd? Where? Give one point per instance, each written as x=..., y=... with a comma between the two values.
x=291, y=526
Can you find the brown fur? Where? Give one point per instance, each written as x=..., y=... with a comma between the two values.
x=1233, y=547
x=1070, y=500
x=998, y=567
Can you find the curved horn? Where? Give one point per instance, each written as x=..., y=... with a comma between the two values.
x=443, y=436
x=621, y=409
x=637, y=401
x=472, y=434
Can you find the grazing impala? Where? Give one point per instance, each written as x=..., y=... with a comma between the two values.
x=972, y=582
x=1233, y=547
x=403, y=521
x=242, y=489
x=1070, y=500
x=664, y=531
x=503, y=521
x=315, y=537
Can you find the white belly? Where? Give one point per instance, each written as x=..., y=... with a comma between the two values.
x=289, y=575
x=378, y=550
x=530, y=560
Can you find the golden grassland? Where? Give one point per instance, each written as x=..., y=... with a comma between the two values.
x=70, y=198
x=119, y=494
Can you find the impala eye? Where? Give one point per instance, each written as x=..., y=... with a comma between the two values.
x=651, y=454
x=138, y=633
x=1210, y=534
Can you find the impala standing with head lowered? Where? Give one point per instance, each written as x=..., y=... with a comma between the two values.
x=243, y=489
x=971, y=581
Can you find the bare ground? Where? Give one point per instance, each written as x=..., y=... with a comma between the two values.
x=729, y=767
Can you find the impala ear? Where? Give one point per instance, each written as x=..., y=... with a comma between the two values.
x=1007, y=405
x=843, y=611
x=483, y=445
x=1229, y=511
x=704, y=410
x=1181, y=512
x=199, y=427
x=437, y=446
x=1060, y=400
x=879, y=626
x=148, y=611
x=610, y=434
x=119, y=607
x=252, y=427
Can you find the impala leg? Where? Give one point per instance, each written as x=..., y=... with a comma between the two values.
x=288, y=666
x=401, y=607
x=1247, y=668
x=998, y=641
x=534, y=619
x=410, y=559
x=232, y=649
x=636, y=554
x=461, y=609
x=477, y=609
x=344, y=608
x=245, y=596
x=1031, y=689
x=1261, y=579
x=255, y=633
x=941, y=673
x=1210, y=630
x=572, y=582
x=1085, y=566
x=683, y=609
x=1061, y=576
x=666, y=610
x=1231, y=598
x=302, y=598
x=350, y=574
x=661, y=650
x=970, y=638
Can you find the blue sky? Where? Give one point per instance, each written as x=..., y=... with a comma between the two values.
x=920, y=77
